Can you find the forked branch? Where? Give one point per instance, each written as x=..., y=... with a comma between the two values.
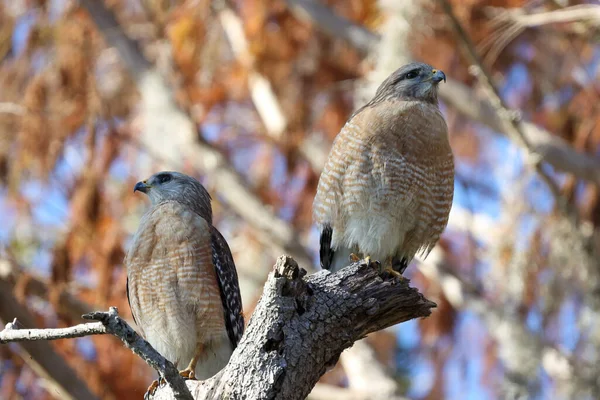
x=298, y=330
x=301, y=325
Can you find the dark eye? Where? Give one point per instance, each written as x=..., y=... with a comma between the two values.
x=162, y=178
x=411, y=74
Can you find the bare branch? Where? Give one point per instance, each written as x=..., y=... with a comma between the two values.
x=118, y=327
x=299, y=328
x=13, y=334
x=510, y=118
x=40, y=356
x=110, y=322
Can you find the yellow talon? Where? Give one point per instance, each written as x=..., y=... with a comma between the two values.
x=153, y=386
x=388, y=270
x=354, y=258
x=188, y=374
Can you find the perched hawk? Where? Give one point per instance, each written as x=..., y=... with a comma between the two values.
x=182, y=284
x=387, y=187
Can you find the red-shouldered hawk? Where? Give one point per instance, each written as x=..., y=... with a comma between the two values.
x=182, y=284
x=387, y=187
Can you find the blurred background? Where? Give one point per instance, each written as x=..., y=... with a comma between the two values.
x=247, y=96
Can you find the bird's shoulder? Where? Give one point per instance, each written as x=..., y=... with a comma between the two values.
x=170, y=222
x=391, y=114
x=402, y=125
x=173, y=213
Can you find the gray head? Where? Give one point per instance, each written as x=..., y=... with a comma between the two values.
x=175, y=186
x=414, y=81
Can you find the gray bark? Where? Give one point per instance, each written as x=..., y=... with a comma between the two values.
x=118, y=327
x=300, y=327
x=12, y=334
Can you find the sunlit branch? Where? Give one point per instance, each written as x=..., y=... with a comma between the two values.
x=118, y=327
x=109, y=322
x=511, y=118
x=12, y=334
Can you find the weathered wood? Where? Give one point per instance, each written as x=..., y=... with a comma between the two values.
x=302, y=324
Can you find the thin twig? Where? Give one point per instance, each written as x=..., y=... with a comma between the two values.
x=556, y=152
x=60, y=378
x=580, y=13
x=118, y=327
x=13, y=334
x=109, y=322
x=511, y=118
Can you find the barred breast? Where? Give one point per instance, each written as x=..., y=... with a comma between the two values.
x=174, y=295
x=387, y=187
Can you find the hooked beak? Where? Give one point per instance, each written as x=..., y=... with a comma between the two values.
x=438, y=76
x=142, y=187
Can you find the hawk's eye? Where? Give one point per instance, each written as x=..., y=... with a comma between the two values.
x=162, y=178
x=412, y=74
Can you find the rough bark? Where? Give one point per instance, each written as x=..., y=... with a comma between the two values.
x=300, y=327
x=298, y=330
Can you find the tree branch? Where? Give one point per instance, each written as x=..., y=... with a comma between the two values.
x=115, y=325
x=551, y=148
x=298, y=330
x=109, y=322
x=41, y=356
x=302, y=324
x=13, y=334
x=510, y=118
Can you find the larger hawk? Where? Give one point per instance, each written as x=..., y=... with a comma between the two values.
x=387, y=187
x=182, y=283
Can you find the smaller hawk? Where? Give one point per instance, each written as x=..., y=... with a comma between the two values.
x=182, y=284
x=387, y=187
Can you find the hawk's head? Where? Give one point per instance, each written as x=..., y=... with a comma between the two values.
x=414, y=81
x=175, y=186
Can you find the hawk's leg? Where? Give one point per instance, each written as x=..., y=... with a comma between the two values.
x=189, y=373
x=399, y=264
x=153, y=386
x=355, y=257
x=391, y=269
